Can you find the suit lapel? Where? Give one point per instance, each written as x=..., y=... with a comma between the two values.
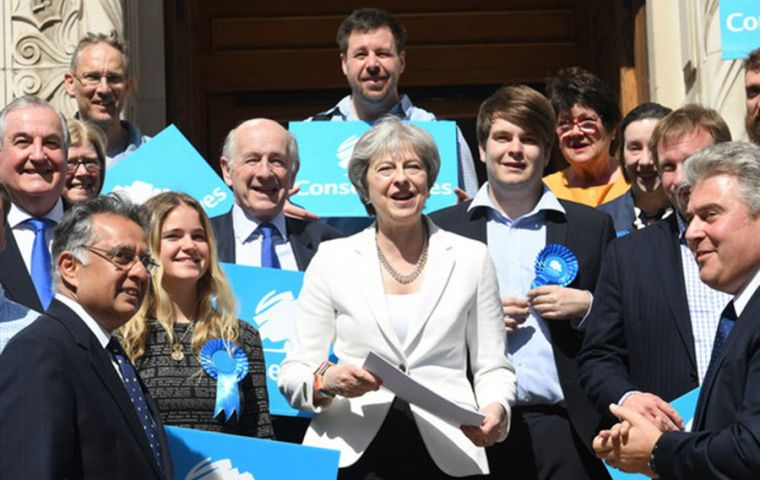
x=370, y=282
x=15, y=277
x=743, y=329
x=225, y=237
x=100, y=361
x=669, y=269
x=438, y=271
x=301, y=243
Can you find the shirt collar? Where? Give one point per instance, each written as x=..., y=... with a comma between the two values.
x=547, y=202
x=17, y=215
x=741, y=299
x=103, y=335
x=244, y=224
x=401, y=109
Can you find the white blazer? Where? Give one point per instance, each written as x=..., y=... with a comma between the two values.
x=343, y=304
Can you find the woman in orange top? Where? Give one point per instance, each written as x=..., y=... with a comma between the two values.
x=587, y=118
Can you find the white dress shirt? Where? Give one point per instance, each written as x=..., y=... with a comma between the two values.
x=23, y=233
x=248, y=240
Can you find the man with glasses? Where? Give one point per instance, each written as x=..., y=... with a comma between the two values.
x=99, y=81
x=33, y=150
x=71, y=404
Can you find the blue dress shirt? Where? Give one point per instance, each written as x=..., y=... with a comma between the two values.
x=13, y=319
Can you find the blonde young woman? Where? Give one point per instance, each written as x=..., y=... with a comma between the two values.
x=190, y=305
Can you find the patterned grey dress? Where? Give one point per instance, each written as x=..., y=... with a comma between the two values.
x=186, y=395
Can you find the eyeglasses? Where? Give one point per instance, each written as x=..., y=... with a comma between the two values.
x=92, y=166
x=124, y=259
x=587, y=124
x=94, y=79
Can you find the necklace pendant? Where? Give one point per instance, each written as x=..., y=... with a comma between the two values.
x=177, y=354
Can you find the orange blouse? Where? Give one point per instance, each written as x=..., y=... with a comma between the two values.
x=591, y=196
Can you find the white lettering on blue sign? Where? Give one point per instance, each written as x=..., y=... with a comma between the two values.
x=737, y=22
x=273, y=371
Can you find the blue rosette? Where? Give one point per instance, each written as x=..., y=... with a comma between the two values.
x=226, y=363
x=555, y=265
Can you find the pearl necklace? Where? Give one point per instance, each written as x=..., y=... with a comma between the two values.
x=407, y=278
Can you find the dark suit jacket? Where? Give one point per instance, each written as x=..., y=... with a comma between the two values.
x=304, y=237
x=622, y=212
x=638, y=335
x=586, y=233
x=15, y=277
x=64, y=411
x=726, y=431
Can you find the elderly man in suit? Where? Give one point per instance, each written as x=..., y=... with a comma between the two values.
x=260, y=162
x=33, y=150
x=650, y=332
x=724, y=208
x=516, y=215
x=71, y=404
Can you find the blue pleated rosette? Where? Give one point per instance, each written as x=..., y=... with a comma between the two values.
x=226, y=363
x=555, y=265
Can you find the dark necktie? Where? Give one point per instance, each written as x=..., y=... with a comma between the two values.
x=268, y=254
x=136, y=395
x=725, y=326
x=40, y=270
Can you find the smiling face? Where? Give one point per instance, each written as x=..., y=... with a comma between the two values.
x=110, y=294
x=583, y=139
x=637, y=159
x=515, y=159
x=83, y=183
x=372, y=66
x=103, y=102
x=261, y=171
x=397, y=185
x=184, y=249
x=33, y=158
x=671, y=153
x=722, y=234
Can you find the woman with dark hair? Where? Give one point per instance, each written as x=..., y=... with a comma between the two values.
x=587, y=118
x=188, y=307
x=645, y=202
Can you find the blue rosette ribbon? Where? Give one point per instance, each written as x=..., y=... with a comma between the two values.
x=226, y=363
x=555, y=265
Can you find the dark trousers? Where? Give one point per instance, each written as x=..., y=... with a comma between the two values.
x=543, y=445
x=396, y=452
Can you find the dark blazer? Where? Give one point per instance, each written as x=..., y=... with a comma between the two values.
x=15, y=277
x=638, y=335
x=724, y=443
x=622, y=212
x=586, y=233
x=304, y=237
x=64, y=411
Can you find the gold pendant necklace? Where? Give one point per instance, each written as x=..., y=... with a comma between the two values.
x=177, y=354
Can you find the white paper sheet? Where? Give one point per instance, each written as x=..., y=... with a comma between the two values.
x=408, y=389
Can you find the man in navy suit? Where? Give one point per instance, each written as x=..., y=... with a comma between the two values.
x=33, y=152
x=516, y=215
x=650, y=332
x=724, y=208
x=260, y=162
x=71, y=404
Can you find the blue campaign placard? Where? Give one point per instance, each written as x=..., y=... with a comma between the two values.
x=200, y=455
x=739, y=27
x=686, y=406
x=169, y=162
x=266, y=299
x=325, y=149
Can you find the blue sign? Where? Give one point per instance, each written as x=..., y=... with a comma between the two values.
x=266, y=299
x=325, y=149
x=198, y=455
x=739, y=27
x=686, y=406
x=169, y=162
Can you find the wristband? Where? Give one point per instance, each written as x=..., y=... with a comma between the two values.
x=651, y=463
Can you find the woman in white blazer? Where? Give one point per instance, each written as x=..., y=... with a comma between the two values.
x=424, y=299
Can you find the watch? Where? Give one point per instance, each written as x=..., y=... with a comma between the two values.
x=319, y=373
x=651, y=463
